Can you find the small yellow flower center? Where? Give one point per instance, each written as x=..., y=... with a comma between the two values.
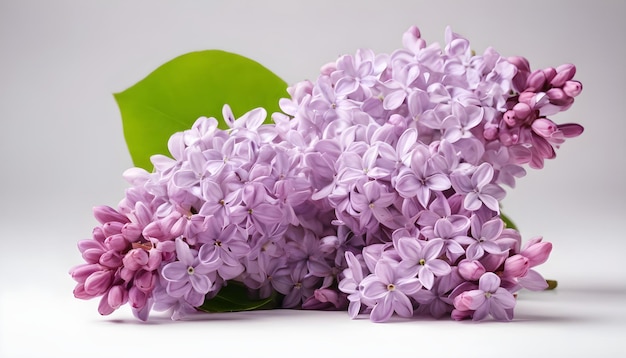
x=391, y=287
x=297, y=285
x=422, y=262
x=190, y=270
x=488, y=294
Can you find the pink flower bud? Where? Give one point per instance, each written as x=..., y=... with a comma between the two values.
x=571, y=130
x=471, y=270
x=544, y=127
x=92, y=256
x=520, y=62
x=98, y=282
x=549, y=73
x=154, y=230
x=527, y=97
x=537, y=252
x=516, y=266
x=112, y=228
x=79, y=292
x=111, y=259
x=459, y=315
x=522, y=110
x=463, y=301
x=557, y=96
x=536, y=81
x=105, y=214
x=98, y=234
x=135, y=259
x=131, y=231
x=564, y=73
x=509, y=118
x=104, y=308
x=490, y=132
x=117, y=296
x=117, y=243
x=145, y=280
x=137, y=298
x=81, y=272
x=572, y=88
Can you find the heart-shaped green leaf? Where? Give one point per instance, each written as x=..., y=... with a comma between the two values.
x=196, y=84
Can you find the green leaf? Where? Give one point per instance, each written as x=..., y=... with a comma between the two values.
x=508, y=222
x=234, y=297
x=196, y=84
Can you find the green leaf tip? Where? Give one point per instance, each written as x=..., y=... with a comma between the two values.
x=196, y=84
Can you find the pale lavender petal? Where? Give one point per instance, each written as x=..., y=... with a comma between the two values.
x=200, y=283
x=533, y=281
x=489, y=282
x=383, y=310
x=438, y=267
x=438, y=182
x=402, y=305
x=426, y=277
x=174, y=271
x=433, y=249
x=504, y=298
x=394, y=100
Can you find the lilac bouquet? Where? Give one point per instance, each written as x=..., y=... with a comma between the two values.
x=376, y=189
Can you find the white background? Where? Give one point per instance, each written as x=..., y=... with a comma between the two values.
x=63, y=152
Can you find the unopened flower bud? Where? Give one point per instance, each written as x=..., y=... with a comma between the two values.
x=516, y=266
x=105, y=214
x=112, y=228
x=471, y=270
x=131, y=231
x=81, y=272
x=537, y=251
x=544, y=127
x=116, y=242
x=111, y=259
x=520, y=62
x=572, y=88
x=98, y=282
x=536, y=81
x=135, y=259
x=145, y=280
x=104, y=308
x=137, y=298
x=527, y=97
x=522, y=110
x=549, y=73
x=557, y=96
x=490, y=132
x=117, y=296
x=564, y=73
x=509, y=118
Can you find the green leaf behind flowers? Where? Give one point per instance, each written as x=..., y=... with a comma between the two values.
x=196, y=84
x=235, y=297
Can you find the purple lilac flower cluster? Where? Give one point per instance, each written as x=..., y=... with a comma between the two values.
x=377, y=190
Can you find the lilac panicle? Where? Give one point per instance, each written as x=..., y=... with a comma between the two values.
x=377, y=189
